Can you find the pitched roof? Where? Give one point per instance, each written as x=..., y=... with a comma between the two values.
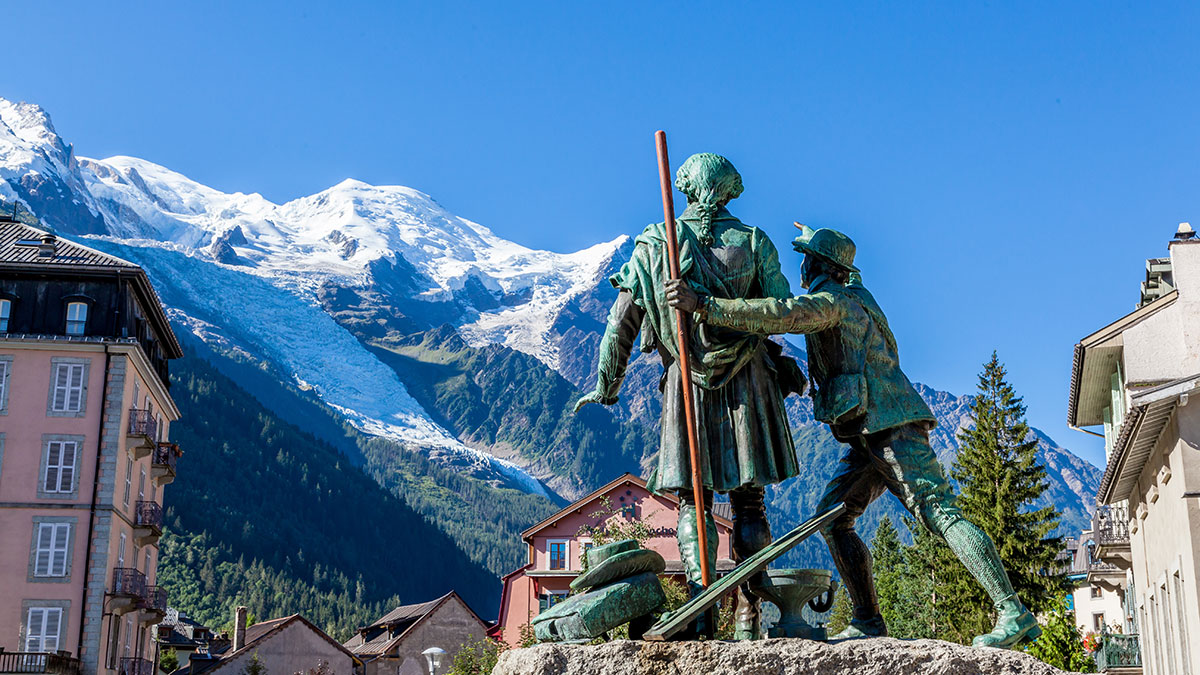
x=262, y=631
x=19, y=244
x=719, y=513
x=19, y=252
x=380, y=636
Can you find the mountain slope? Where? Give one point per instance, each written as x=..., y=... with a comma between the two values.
x=276, y=506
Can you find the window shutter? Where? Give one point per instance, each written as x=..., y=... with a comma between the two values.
x=34, y=627
x=62, y=377
x=142, y=485
x=53, y=459
x=74, y=400
x=66, y=472
x=51, y=626
x=58, y=560
x=45, y=549
x=3, y=381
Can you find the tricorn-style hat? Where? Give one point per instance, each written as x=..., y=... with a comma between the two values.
x=616, y=561
x=826, y=243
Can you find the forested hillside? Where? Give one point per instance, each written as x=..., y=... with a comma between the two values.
x=266, y=515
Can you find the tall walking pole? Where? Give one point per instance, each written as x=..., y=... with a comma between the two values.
x=685, y=365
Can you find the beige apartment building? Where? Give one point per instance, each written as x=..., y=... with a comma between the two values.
x=84, y=455
x=1137, y=379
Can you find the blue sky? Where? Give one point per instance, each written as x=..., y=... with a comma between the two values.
x=1004, y=167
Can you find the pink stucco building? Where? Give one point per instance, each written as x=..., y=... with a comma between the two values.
x=85, y=413
x=556, y=546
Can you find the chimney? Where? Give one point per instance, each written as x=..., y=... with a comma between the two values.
x=47, y=246
x=239, y=628
x=1185, y=232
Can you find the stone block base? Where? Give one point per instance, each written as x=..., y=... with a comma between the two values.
x=880, y=656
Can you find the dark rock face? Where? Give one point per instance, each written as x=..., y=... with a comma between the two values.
x=881, y=656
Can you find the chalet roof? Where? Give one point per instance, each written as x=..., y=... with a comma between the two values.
x=381, y=636
x=258, y=633
x=720, y=515
x=19, y=252
x=1095, y=359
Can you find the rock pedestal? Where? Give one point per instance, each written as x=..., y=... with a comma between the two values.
x=881, y=656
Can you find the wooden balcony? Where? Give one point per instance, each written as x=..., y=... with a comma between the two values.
x=154, y=606
x=142, y=433
x=39, y=663
x=147, y=523
x=162, y=465
x=128, y=590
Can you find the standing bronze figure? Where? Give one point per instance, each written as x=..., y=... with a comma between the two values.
x=740, y=377
x=869, y=404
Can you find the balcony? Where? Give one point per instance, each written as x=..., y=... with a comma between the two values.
x=1110, y=527
x=135, y=666
x=162, y=466
x=1118, y=654
x=142, y=433
x=147, y=522
x=128, y=590
x=154, y=606
x=60, y=663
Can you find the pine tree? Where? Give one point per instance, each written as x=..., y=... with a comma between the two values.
x=902, y=595
x=841, y=613
x=1000, y=481
x=929, y=566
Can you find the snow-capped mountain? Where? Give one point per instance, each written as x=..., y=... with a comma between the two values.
x=321, y=290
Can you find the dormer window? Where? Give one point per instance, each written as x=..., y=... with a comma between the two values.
x=5, y=313
x=76, y=318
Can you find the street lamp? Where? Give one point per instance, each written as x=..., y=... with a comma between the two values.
x=433, y=656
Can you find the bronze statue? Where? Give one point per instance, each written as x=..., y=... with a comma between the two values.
x=741, y=378
x=869, y=404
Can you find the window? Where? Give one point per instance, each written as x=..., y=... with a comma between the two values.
x=1098, y=622
x=136, y=393
x=42, y=628
x=121, y=552
x=50, y=557
x=128, y=478
x=5, y=370
x=76, y=318
x=1096, y=592
x=148, y=568
x=67, y=394
x=142, y=485
x=558, y=554
x=60, y=467
x=550, y=599
x=5, y=313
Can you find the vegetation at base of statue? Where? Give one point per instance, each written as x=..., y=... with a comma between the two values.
x=924, y=591
x=477, y=657
x=321, y=669
x=1061, y=644
x=267, y=516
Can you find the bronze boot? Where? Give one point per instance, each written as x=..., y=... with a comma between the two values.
x=751, y=534
x=689, y=552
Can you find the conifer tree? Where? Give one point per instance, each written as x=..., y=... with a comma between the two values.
x=902, y=594
x=841, y=613
x=929, y=566
x=1000, y=482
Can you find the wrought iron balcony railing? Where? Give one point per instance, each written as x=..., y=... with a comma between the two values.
x=149, y=515
x=40, y=663
x=129, y=582
x=1118, y=651
x=142, y=423
x=165, y=456
x=155, y=599
x=1112, y=525
x=135, y=666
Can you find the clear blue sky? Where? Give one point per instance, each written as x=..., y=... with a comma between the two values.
x=1005, y=168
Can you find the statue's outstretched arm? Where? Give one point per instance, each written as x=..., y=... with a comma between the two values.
x=769, y=316
x=624, y=323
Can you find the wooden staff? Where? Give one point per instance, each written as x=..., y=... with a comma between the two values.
x=685, y=366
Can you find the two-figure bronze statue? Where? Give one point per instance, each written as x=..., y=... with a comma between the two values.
x=736, y=295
